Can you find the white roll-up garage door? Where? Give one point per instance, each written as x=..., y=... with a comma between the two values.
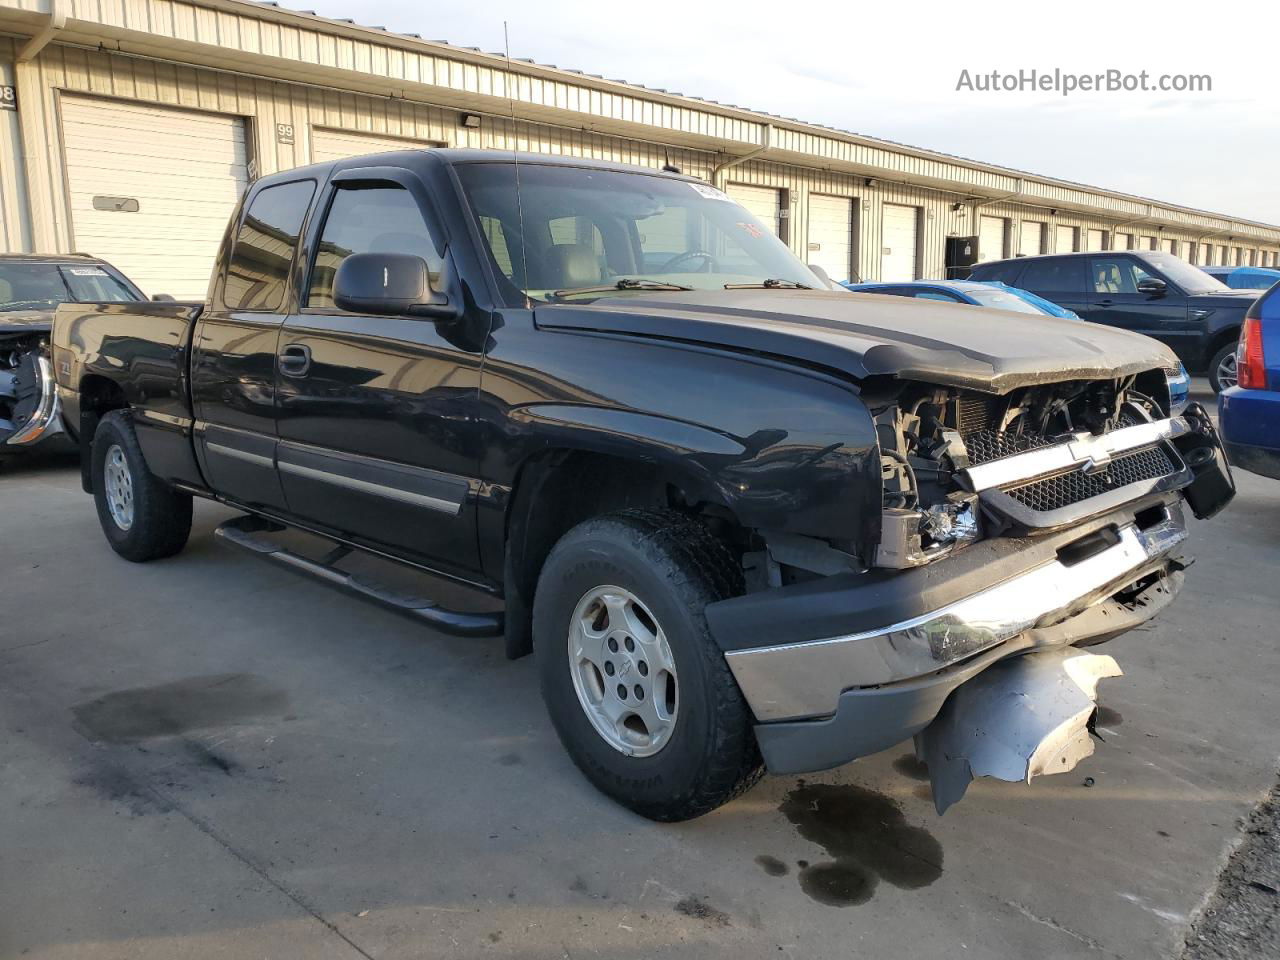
x=1095, y=240
x=765, y=203
x=1169, y=246
x=329, y=145
x=831, y=235
x=1064, y=239
x=899, y=237
x=1031, y=242
x=1124, y=241
x=991, y=238
x=151, y=188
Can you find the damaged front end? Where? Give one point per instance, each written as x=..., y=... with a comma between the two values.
x=1016, y=529
x=29, y=406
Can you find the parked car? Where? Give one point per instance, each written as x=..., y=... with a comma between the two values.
x=1145, y=291
x=31, y=286
x=1244, y=278
x=741, y=519
x=1250, y=410
x=1001, y=296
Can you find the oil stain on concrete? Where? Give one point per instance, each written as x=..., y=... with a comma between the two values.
x=171, y=709
x=867, y=838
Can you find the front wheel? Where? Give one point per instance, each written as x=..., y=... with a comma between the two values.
x=142, y=517
x=637, y=689
x=1222, y=368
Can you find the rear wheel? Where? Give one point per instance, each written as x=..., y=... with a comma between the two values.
x=142, y=517
x=637, y=689
x=1222, y=368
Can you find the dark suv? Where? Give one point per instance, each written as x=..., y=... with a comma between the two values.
x=1141, y=290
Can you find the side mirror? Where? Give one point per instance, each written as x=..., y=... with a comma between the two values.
x=1152, y=287
x=389, y=284
x=162, y=298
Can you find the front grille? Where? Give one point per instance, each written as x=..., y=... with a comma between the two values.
x=987, y=445
x=1066, y=489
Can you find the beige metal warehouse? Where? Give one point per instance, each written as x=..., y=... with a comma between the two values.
x=102, y=100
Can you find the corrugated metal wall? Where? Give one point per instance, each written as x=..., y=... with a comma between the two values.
x=267, y=103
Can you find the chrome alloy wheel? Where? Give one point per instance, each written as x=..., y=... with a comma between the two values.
x=1227, y=375
x=623, y=671
x=119, y=487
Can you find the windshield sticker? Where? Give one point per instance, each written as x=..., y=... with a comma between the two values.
x=711, y=193
x=755, y=232
x=87, y=272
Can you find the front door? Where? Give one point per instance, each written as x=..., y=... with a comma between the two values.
x=377, y=414
x=1116, y=301
x=233, y=378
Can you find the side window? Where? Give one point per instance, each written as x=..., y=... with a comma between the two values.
x=935, y=295
x=1115, y=275
x=383, y=218
x=264, y=247
x=1060, y=275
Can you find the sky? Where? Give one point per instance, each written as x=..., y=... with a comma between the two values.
x=892, y=70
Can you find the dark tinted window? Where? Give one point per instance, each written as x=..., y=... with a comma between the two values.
x=1060, y=275
x=369, y=219
x=263, y=251
x=1004, y=271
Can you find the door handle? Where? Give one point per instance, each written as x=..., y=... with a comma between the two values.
x=295, y=360
x=1105, y=303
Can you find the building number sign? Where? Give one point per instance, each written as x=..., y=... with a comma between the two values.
x=284, y=133
x=8, y=98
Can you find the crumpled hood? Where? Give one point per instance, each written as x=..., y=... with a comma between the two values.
x=26, y=321
x=863, y=335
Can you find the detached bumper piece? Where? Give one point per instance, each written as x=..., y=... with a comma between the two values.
x=1023, y=718
x=246, y=533
x=32, y=394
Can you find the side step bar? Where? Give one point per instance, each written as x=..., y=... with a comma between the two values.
x=243, y=534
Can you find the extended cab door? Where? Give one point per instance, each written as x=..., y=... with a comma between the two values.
x=378, y=421
x=233, y=370
x=1116, y=301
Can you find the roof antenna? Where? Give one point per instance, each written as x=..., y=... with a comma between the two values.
x=667, y=165
x=515, y=163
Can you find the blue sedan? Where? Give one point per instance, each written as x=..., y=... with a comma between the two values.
x=1249, y=412
x=997, y=295
x=1244, y=278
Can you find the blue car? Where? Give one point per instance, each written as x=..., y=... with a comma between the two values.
x=997, y=295
x=1249, y=412
x=1244, y=278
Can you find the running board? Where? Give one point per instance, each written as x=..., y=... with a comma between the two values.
x=243, y=534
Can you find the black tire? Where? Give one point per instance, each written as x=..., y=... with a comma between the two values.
x=161, y=519
x=1227, y=349
x=675, y=567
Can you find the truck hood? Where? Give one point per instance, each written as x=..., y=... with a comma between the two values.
x=863, y=335
x=26, y=321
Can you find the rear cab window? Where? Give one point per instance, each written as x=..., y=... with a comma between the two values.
x=258, y=272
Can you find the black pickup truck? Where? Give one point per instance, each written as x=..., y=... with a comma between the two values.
x=742, y=519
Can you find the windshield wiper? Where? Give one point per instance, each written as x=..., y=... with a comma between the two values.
x=769, y=285
x=626, y=283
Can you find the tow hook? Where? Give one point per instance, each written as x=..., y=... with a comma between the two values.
x=1024, y=717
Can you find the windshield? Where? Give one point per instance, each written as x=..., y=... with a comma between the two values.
x=1183, y=275
x=587, y=228
x=42, y=286
x=1003, y=301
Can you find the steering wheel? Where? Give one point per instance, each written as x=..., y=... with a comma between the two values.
x=708, y=262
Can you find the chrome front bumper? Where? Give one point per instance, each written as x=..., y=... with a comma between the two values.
x=46, y=422
x=805, y=680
